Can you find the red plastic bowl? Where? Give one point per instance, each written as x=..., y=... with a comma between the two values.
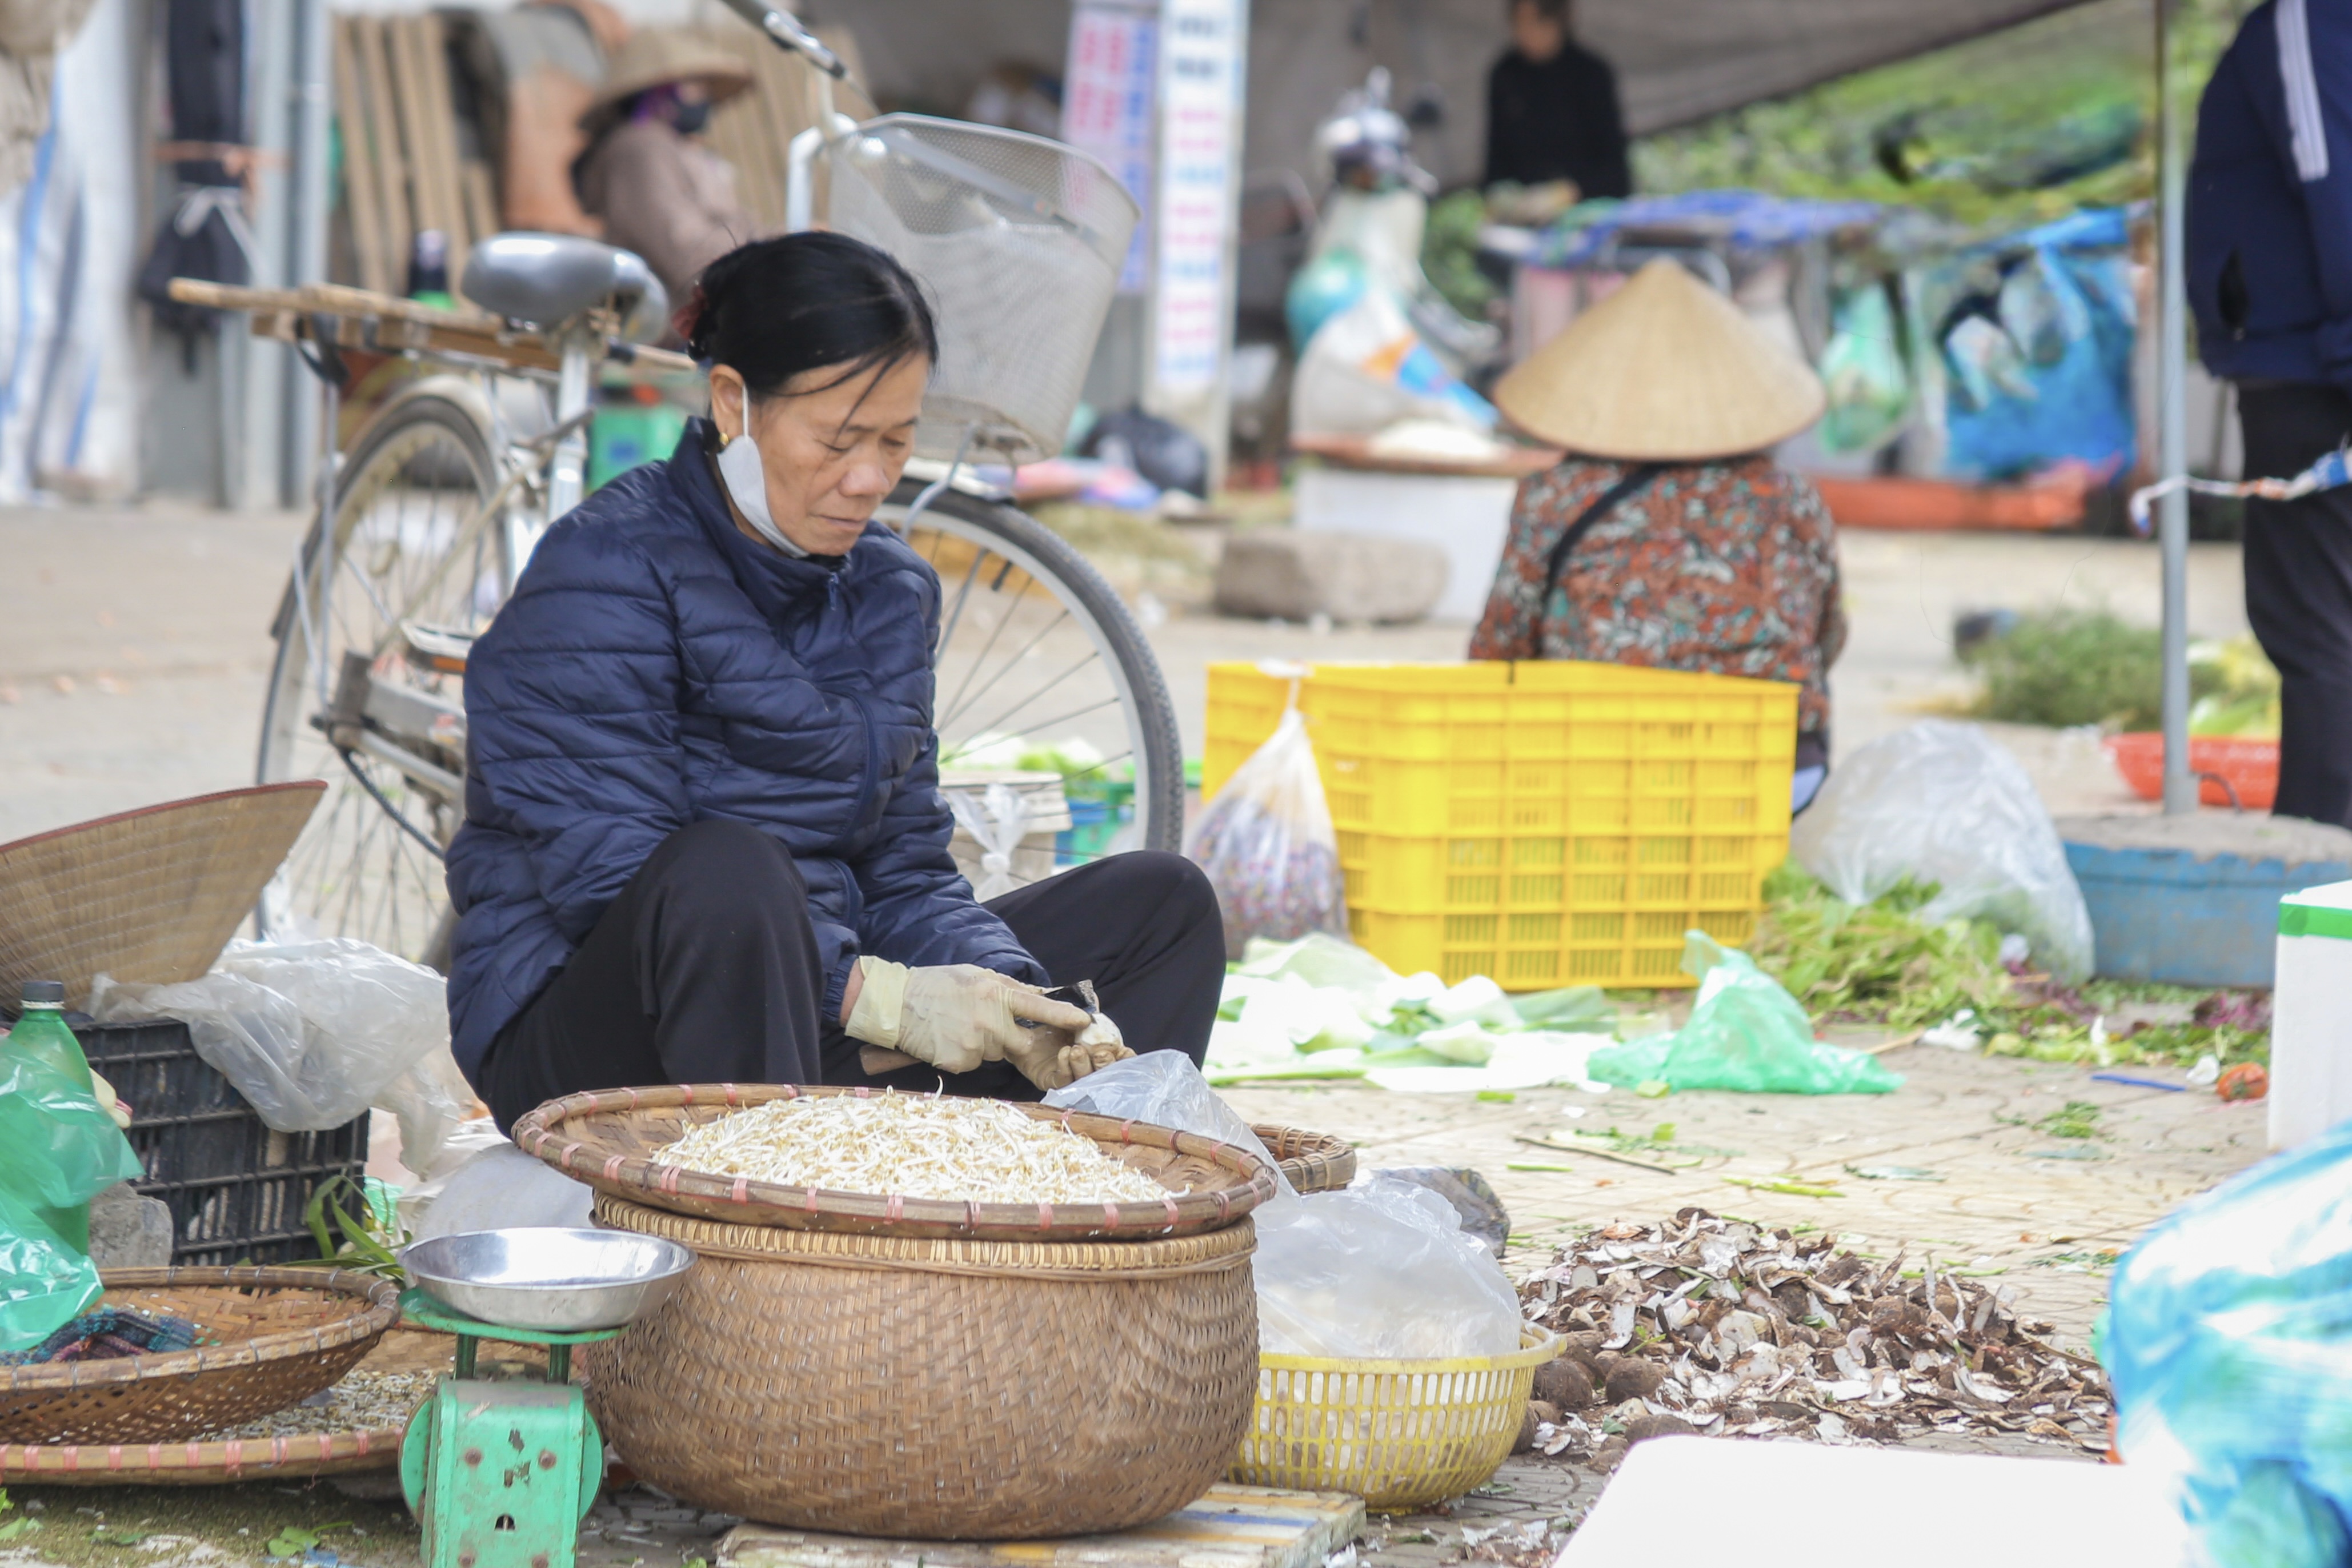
x=2252, y=767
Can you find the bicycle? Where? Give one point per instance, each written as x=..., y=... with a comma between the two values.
x=424, y=525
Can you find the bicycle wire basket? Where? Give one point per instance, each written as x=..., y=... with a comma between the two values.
x=1019, y=240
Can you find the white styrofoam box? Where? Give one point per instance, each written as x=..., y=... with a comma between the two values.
x=1466, y=516
x=2311, y=1015
x=2031, y=1513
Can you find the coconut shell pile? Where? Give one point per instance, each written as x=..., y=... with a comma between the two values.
x=1718, y=1326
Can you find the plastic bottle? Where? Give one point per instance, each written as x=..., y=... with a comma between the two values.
x=42, y=1033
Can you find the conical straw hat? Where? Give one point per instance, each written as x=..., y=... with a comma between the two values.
x=151, y=896
x=1664, y=371
x=653, y=56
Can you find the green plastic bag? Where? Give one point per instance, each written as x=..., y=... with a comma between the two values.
x=1746, y=1032
x=57, y=1150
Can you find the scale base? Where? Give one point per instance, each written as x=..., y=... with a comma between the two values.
x=500, y=1475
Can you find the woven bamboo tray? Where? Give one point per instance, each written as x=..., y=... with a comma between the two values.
x=283, y=1334
x=931, y=1387
x=1314, y=1162
x=604, y=1138
x=200, y=1464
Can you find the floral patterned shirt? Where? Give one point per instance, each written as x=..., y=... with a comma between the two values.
x=1730, y=568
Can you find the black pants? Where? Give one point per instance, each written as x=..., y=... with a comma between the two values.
x=704, y=970
x=2299, y=593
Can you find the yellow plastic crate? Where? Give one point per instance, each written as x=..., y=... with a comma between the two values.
x=1545, y=823
x=1401, y=1435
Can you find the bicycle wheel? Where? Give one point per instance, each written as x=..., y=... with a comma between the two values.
x=1038, y=654
x=411, y=538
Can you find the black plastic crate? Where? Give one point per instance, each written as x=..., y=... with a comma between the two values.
x=238, y=1190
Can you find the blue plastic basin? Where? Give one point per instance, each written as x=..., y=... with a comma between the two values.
x=2165, y=915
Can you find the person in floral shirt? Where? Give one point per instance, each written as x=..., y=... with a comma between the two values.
x=1667, y=536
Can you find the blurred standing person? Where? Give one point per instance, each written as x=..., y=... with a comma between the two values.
x=2269, y=280
x=646, y=174
x=1552, y=107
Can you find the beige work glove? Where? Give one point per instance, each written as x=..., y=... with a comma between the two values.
x=956, y=1016
x=1058, y=1063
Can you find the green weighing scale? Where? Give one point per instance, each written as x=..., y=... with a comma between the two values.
x=499, y=1472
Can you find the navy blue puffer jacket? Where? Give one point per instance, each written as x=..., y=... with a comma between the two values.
x=654, y=668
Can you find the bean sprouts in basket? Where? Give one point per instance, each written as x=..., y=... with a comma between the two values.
x=962, y=1151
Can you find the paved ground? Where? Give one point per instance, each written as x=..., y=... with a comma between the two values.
x=133, y=658
x=134, y=648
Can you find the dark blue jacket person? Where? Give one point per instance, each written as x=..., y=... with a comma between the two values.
x=704, y=839
x=2269, y=280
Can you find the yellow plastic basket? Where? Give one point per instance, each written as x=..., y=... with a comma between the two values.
x=1545, y=823
x=1399, y=1434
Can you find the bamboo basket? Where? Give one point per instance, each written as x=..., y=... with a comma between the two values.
x=284, y=1334
x=604, y=1139
x=1314, y=1162
x=938, y=1388
x=1401, y=1435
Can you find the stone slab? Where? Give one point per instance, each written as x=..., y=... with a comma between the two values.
x=1229, y=1526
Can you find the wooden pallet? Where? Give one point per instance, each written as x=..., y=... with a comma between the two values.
x=404, y=173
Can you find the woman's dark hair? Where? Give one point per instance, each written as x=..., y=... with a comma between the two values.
x=777, y=309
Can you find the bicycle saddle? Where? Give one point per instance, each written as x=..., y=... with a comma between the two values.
x=542, y=280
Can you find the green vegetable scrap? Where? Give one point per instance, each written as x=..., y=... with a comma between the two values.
x=294, y=1540
x=353, y=1230
x=1793, y=1188
x=1877, y=962
x=2075, y=1119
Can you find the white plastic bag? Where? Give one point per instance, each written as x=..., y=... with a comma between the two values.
x=499, y=1188
x=1367, y=369
x=311, y=1033
x=1940, y=802
x=1268, y=847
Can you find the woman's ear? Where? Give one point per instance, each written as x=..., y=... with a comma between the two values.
x=727, y=401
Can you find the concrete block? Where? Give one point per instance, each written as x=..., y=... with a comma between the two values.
x=128, y=1231
x=1292, y=574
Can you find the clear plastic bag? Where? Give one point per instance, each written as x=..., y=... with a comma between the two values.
x=1267, y=844
x=1164, y=1088
x=1941, y=802
x=2228, y=1338
x=313, y=1033
x=58, y=1149
x=1746, y=1032
x=1383, y=1269
x=997, y=819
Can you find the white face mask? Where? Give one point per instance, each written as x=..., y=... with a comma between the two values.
x=747, y=481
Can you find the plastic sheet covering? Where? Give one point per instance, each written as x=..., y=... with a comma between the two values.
x=1746, y=1032
x=1941, y=804
x=57, y=1150
x=1267, y=844
x=314, y=1033
x=2228, y=1340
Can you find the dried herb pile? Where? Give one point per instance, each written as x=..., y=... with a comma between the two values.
x=1719, y=1326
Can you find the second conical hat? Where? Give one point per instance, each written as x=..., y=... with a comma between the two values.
x=1666, y=370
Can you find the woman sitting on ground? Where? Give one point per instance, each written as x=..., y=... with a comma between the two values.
x=1668, y=536
x=704, y=839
